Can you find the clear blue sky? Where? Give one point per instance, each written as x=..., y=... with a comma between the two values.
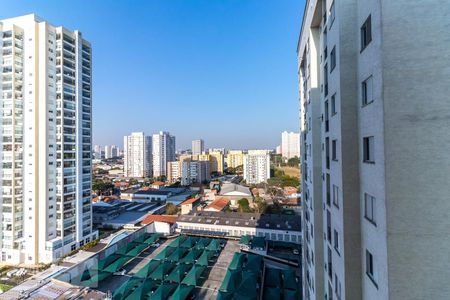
x=221, y=70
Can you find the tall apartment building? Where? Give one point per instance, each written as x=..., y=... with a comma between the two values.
x=290, y=144
x=194, y=172
x=217, y=161
x=375, y=160
x=235, y=158
x=256, y=166
x=163, y=152
x=198, y=146
x=108, y=150
x=46, y=130
x=137, y=157
x=174, y=171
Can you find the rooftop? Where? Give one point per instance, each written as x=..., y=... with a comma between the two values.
x=171, y=219
x=191, y=200
x=218, y=204
x=234, y=188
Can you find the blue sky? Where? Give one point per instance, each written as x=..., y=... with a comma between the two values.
x=224, y=71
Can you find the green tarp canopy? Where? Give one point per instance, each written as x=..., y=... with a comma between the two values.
x=237, y=261
x=177, y=254
x=153, y=238
x=245, y=240
x=103, y=263
x=145, y=271
x=259, y=242
x=243, y=291
x=271, y=293
x=127, y=288
x=178, y=273
x=253, y=263
x=214, y=245
x=178, y=241
x=224, y=295
x=144, y=289
x=289, y=279
x=272, y=278
x=164, y=253
x=142, y=238
x=203, y=260
x=91, y=277
x=193, y=277
x=202, y=243
x=231, y=281
x=182, y=292
x=189, y=242
x=161, y=271
x=290, y=295
x=136, y=250
x=126, y=248
x=116, y=265
x=163, y=291
x=192, y=256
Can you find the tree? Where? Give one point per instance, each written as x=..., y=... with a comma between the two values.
x=294, y=162
x=100, y=186
x=133, y=181
x=171, y=209
x=261, y=205
x=243, y=205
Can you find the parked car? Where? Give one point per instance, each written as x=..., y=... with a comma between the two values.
x=155, y=245
x=120, y=272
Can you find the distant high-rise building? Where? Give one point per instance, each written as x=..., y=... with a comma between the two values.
x=114, y=151
x=108, y=153
x=217, y=161
x=137, y=160
x=174, y=171
x=278, y=150
x=198, y=146
x=46, y=137
x=290, y=144
x=375, y=149
x=257, y=166
x=163, y=152
x=235, y=158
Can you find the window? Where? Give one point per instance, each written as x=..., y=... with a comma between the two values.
x=336, y=195
x=367, y=91
x=369, y=208
x=334, y=150
x=332, y=14
x=333, y=59
x=368, y=148
x=337, y=287
x=336, y=241
x=370, y=267
x=333, y=105
x=325, y=74
x=366, y=33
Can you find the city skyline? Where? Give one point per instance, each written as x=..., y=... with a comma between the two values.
x=218, y=38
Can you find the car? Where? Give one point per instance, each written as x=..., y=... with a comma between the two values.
x=296, y=252
x=155, y=245
x=120, y=272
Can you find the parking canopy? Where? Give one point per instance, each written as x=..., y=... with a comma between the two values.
x=192, y=256
x=203, y=260
x=290, y=295
x=145, y=271
x=182, y=292
x=202, y=243
x=127, y=288
x=142, y=290
x=163, y=291
x=289, y=279
x=177, y=254
x=189, y=242
x=214, y=245
x=178, y=241
x=254, y=263
x=271, y=293
x=164, y=253
x=237, y=261
x=178, y=274
x=231, y=281
x=162, y=270
x=193, y=277
x=272, y=278
x=226, y=296
x=245, y=240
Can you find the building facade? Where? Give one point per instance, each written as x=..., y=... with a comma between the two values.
x=194, y=172
x=174, y=171
x=137, y=157
x=256, y=166
x=163, y=152
x=46, y=149
x=290, y=144
x=367, y=135
x=198, y=146
x=235, y=158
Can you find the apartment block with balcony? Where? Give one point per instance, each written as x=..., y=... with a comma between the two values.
x=137, y=158
x=46, y=141
x=362, y=65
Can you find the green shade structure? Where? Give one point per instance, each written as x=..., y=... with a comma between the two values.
x=127, y=288
x=203, y=260
x=258, y=242
x=248, y=279
x=289, y=279
x=152, y=238
x=143, y=290
x=164, y=253
x=163, y=291
x=202, y=243
x=290, y=295
x=254, y=263
x=237, y=261
x=161, y=271
x=177, y=254
x=272, y=278
x=231, y=281
x=145, y=271
x=193, y=277
x=142, y=238
x=182, y=292
x=224, y=295
x=191, y=256
x=245, y=240
x=91, y=277
x=178, y=273
x=127, y=248
x=117, y=264
x=103, y=263
x=271, y=293
x=178, y=241
x=214, y=245
x=189, y=242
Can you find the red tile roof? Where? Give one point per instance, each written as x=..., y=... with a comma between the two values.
x=219, y=204
x=190, y=201
x=158, y=183
x=159, y=218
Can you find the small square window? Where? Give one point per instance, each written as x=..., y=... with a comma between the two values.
x=366, y=33
x=367, y=91
x=368, y=149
